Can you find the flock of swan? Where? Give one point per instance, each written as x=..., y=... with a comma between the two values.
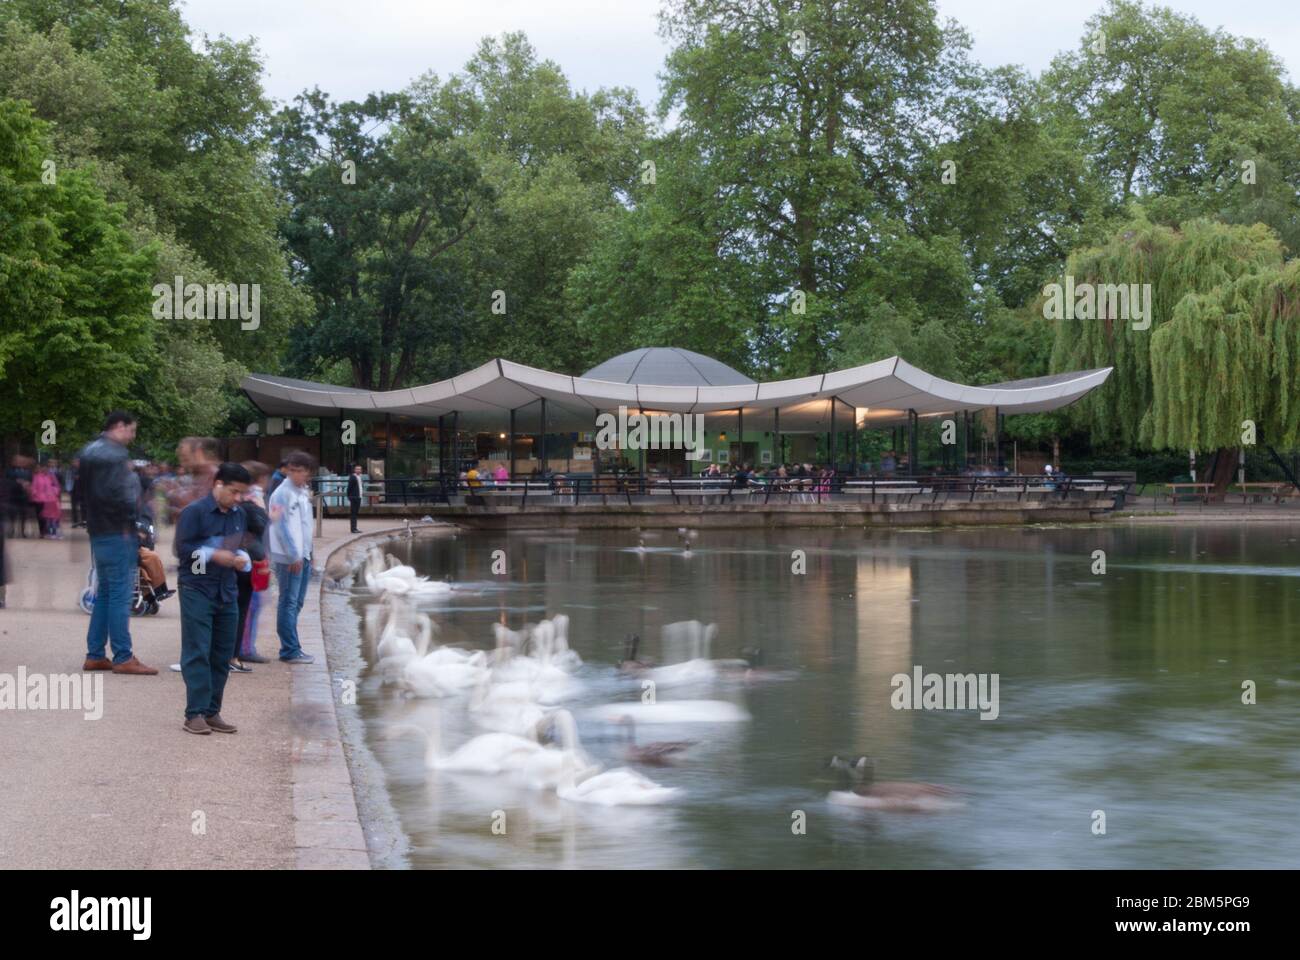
x=515, y=693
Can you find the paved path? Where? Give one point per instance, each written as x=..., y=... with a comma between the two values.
x=128, y=790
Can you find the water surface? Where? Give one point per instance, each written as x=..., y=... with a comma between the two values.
x=1119, y=692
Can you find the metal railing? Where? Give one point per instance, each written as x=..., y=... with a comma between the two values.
x=574, y=490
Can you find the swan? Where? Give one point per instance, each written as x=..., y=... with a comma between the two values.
x=897, y=795
x=614, y=788
x=509, y=707
x=385, y=575
x=658, y=754
x=562, y=656
x=551, y=767
x=699, y=668
x=488, y=753
x=438, y=674
x=671, y=711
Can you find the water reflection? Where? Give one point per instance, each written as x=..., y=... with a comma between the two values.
x=1119, y=692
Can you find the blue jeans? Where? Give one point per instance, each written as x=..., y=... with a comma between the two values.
x=293, y=591
x=207, y=644
x=116, y=569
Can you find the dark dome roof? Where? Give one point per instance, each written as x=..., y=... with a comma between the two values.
x=667, y=367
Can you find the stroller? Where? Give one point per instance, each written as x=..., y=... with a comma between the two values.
x=144, y=602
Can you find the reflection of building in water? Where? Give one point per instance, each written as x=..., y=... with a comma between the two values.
x=883, y=594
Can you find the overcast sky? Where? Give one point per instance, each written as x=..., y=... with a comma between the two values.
x=352, y=47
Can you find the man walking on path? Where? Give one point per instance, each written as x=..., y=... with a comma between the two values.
x=208, y=537
x=356, y=488
x=109, y=488
x=291, y=532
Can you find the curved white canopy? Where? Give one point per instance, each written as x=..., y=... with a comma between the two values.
x=882, y=392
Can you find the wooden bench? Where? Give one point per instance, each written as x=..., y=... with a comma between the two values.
x=1276, y=489
x=1202, y=491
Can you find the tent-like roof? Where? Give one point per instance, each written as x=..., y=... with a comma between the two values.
x=667, y=367
x=883, y=392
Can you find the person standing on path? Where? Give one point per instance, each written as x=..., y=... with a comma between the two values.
x=109, y=488
x=356, y=490
x=252, y=583
x=209, y=535
x=291, y=533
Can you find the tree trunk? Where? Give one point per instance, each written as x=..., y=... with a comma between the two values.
x=1220, y=470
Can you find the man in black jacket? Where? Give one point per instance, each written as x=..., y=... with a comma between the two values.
x=356, y=489
x=111, y=490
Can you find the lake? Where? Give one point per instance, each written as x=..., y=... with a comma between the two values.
x=1118, y=692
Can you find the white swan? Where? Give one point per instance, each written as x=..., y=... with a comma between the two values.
x=614, y=788
x=488, y=753
x=671, y=711
x=554, y=766
x=385, y=575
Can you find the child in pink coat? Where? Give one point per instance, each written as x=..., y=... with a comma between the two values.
x=45, y=491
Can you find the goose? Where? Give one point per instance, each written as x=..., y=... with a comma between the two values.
x=629, y=663
x=896, y=795
x=613, y=788
x=658, y=754
x=671, y=711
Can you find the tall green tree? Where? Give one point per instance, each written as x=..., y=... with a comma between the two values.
x=380, y=194
x=74, y=292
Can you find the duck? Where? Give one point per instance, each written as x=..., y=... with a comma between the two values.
x=903, y=796
x=661, y=753
x=613, y=788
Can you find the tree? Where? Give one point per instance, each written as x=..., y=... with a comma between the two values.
x=379, y=195
x=808, y=118
x=74, y=291
x=1195, y=258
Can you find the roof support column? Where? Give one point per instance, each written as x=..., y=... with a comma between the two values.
x=780, y=450
x=830, y=445
x=912, y=464
x=740, y=432
x=997, y=437
x=541, y=438
x=512, y=443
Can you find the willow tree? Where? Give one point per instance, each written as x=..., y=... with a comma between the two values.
x=1227, y=357
x=1199, y=257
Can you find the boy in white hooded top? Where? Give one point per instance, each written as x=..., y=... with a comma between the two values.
x=290, y=543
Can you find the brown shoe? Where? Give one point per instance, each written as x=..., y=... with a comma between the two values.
x=219, y=725
x=196, y=724
x=97, y=663
x=135, y=667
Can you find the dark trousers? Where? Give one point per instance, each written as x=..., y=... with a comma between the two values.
x=245, y=583
x=355, y=504
x=207, y=644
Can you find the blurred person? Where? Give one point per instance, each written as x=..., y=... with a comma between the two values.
x=209, y=534
x=290, y=543
x=253, y=582
x=502, y=475
x=278, y=475
x=111, y=498
x=46, y=499
x=17, y=484
x=356, y=490
x=198, y=458
x=77, y=495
